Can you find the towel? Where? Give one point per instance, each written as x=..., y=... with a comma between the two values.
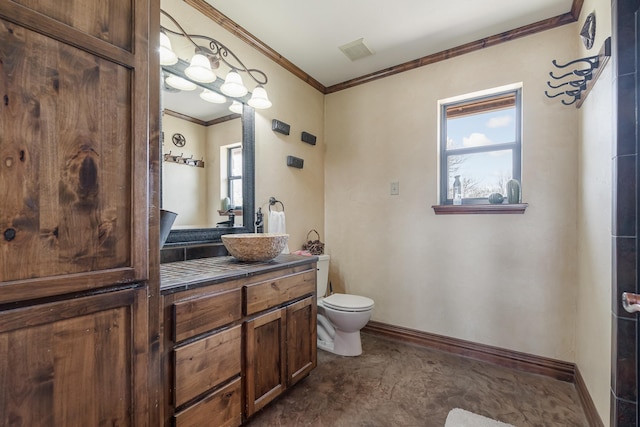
x=277, y=225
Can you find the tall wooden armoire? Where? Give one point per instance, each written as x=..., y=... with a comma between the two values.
x=78, y=212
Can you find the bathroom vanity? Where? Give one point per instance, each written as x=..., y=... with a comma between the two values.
x=235, y=336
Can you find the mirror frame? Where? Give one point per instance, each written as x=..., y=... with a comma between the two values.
x=198, y=236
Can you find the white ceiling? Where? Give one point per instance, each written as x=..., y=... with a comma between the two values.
x=308, y=33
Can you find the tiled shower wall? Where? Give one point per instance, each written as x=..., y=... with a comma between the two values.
x=626, y=182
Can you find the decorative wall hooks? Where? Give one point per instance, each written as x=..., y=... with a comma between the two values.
x=574, y=86
x=181, y=160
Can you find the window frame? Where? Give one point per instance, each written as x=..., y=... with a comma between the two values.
x=230, y=177
x=515, y=147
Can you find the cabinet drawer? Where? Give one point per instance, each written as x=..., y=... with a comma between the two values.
x=271, y=293
x=205, y=363
x=221, y=408
x=195, y=316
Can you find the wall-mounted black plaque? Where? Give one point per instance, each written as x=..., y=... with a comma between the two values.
x=281, y=127
x=308, y=138
x=295, y=162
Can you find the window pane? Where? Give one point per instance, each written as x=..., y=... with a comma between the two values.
x=480, y=129
x=481, y=173
x=236, y=161
x=236, y=192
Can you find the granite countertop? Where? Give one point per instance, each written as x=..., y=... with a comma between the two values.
x=183, y=275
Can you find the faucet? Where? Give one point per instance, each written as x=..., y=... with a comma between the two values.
x=231, y=220
x=259, y=221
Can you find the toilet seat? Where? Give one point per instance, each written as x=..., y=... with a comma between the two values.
x=346, y=302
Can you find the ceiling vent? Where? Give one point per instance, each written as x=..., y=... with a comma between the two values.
x=356, y=50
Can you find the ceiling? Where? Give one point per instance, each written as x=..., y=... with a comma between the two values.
x=309, y=33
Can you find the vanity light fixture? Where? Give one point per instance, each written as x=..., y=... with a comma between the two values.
x=207, y=58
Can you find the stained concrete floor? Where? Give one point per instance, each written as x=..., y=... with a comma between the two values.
x=396, y=384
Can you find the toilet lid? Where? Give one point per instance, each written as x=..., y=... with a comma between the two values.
x=347, y=302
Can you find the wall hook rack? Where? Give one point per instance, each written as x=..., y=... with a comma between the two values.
x=587, y=70
x=181, y=160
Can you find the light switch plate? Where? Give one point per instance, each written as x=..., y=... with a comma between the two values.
x=395, y=188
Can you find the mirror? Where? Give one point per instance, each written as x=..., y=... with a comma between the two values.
x=201, y=160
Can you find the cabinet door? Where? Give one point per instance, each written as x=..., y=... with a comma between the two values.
x=74, y=362
x=74, y=117
x=265, y=354
x=301, y=339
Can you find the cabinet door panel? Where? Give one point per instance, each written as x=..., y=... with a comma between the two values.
x=301, y=339
x=74, y=363
x=265, y=359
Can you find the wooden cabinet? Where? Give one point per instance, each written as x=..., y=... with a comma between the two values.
x=238, y=344
x=280, y=350
x=76, y=265
x=74, y=363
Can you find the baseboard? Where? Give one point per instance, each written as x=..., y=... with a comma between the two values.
x=589, y=407
x=560, y=370
x=557, y=369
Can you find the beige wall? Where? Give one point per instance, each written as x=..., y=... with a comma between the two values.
x=502, y=280
x=593, y=331
x=185, y=188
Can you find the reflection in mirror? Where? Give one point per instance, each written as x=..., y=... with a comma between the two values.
x=208, y=164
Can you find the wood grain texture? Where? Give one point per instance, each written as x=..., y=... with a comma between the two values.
x=301, y=339
x=58, y=368
x=271, y=293
x=222, y=408
x=198, y=315
x=265, y=359
x=66, y=180
x=206, y=363
x=102, y=20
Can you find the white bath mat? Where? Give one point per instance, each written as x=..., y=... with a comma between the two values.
x=460, y=418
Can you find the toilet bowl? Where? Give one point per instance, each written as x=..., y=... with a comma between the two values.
x=340, y=316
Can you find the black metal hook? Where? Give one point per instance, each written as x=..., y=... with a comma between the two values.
x=591, y=60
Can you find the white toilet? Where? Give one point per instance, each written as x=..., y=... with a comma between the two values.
x=340, y=316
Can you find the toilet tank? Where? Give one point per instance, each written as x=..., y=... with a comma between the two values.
x=322, y=275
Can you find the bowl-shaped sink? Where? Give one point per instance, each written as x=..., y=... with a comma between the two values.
x=255, y=246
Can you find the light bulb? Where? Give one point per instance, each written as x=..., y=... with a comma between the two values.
x=213, y=97
x=200, y=69
x=167, y=55
x=180, y=83
x=259, y=98
x=236, y=107
x=233, y=85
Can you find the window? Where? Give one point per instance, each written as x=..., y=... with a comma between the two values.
x=234, y=175
x=480, y=144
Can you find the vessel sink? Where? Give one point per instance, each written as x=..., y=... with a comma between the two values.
x=255, y=246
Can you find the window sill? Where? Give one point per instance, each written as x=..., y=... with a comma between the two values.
x=516, y=208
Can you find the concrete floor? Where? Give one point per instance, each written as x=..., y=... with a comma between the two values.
x=395, y=384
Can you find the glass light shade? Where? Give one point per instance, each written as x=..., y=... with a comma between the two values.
x=180, y=83
x=213, y=97
x=200, y=69
x=236, y=107
x=233, y=85
x=259, y=98
x=167, y=55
